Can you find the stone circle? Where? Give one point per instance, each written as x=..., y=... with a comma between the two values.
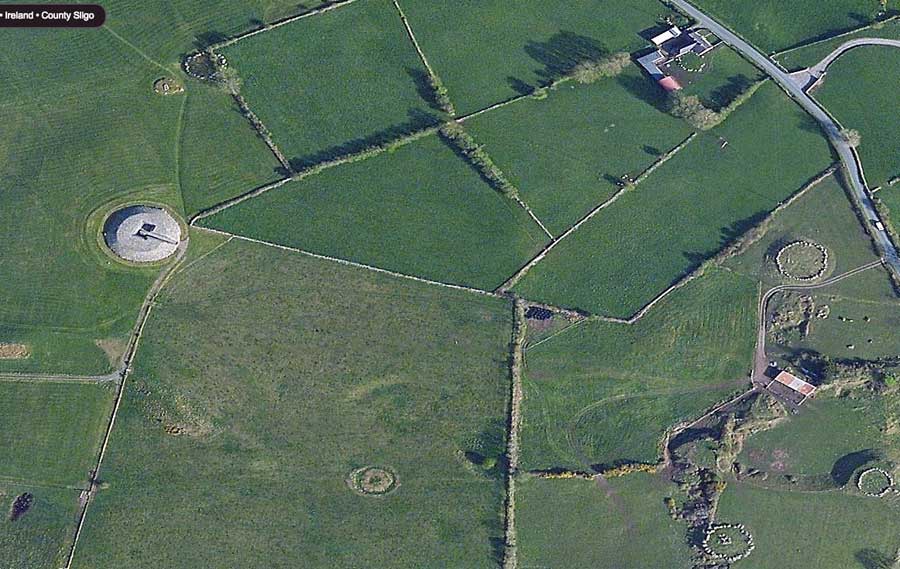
x=204, y=65
x=728, y=542
x=867, y=476
x=373, y=480
x=142, y=233
x=791, y=259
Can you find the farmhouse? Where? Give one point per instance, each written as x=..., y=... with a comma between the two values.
x=790, y=387
x=671, y=44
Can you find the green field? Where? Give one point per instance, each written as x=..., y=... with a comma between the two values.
x=213, y=127
x=813, y=442
x=634, y=249
x=566, y=152
x=861, y=92
x=69, y=147
x=333, y=83
x=824, y=215
x=38, y=539
x=419, y=210
x=825, y=530
x=725, y=76
x=599, y=393
x=83, y=131
x=50, y=433
x=233, y=448
x=773, y=26
x=487, y=51
x=810, y=55
x=617, y=524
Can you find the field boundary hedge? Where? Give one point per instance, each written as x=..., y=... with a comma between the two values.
x=520, y=328
x=870, y=25
x=513, y=280
x=732, y=249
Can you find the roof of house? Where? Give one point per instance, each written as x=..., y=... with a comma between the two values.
x=795, y=383
x=670, y=84
x=660, y=39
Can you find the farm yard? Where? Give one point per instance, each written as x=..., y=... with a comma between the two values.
x=460, y=284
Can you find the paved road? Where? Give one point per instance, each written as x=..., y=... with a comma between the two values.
x=831, y=128
x=819, y=68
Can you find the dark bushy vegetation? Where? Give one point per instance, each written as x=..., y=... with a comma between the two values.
x=455, y=134
x=701, y=117
x=592, y=70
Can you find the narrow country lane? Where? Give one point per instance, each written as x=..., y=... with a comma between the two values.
x=848, y=156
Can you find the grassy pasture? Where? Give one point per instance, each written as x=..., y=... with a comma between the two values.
x=418, y=210
x=773, y=25
x=50, y=433
x=487, y=51
x=299, y=371
x=220, y=154
x=70, y=146
x=825, y=216
x=861, y=92
x=40, y=538
x=725, y=76
x=566, y=152
x=600, y=392
x=807, y=56
x=334, y=82
x=622, y=524
x=839, y=530
x=167, y=30
x=813, y=442
x=624, y=256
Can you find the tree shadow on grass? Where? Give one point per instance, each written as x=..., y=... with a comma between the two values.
x=646, y=90
x=423, y=86
x=417, y=120
x=844, y=467
x=206, y=39
x=874, y=559
x=728, y=235
x=722, y=96
x=562, y=52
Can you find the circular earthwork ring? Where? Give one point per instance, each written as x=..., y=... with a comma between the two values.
x=802, y=260
x=373, y=480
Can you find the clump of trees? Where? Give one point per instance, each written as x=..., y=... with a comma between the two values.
x=592, y=70
x=475, y=153
x=852, y=137
x=701, y=117
x=692, y=109
x=441, y=96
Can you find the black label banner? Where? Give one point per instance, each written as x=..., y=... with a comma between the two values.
x=51, y=16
